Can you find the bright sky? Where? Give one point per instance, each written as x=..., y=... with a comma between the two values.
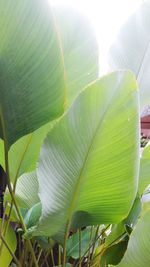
x=107, y=17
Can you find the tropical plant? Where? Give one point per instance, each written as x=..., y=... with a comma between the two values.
x=73, y=188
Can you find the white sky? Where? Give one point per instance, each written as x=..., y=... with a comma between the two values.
x=107, y=17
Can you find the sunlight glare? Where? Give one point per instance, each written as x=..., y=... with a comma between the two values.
x=107, y=17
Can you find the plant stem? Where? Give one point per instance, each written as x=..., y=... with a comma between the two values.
x=89, y=254
x=103, y=231
x=2, y=231
x=65, y=242
x=95, y=239
x=10, y=251
x=116, y=241
x=39, y=255
x=52, y=257
x=15, y=203
x=59, y=255
x=80, y=246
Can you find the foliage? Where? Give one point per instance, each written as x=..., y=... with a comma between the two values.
x=77, y=183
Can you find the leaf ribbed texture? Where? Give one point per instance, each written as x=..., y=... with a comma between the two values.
x=89, y=161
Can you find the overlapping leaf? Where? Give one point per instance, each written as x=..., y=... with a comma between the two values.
x=138, y=251
x=32, y=84
x=27, y=190
x=87, y=162
x=131, y=50
x=80, y=49
x=38, y=63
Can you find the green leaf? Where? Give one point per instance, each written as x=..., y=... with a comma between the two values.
x=74, y=240
x=80, y=49
x=138, y=250
x=24, y=154
x=26, y=193
x=134, y=213
x=91, y=156
x=38, y=63
x=117, y=232
x=32, y=216
x=131, y=50
x=144, y=179
x=113, y=255
x=27, y=190
x=10, y=238
x=32, y=90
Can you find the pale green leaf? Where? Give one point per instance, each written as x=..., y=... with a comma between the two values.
x=80, y=49
x=33, y=215
x=27, y=190
x=89, y=161
x=131, y=50
x=24, y=154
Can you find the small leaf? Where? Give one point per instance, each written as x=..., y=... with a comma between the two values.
x=33, y=215
x=73, y=242
x=27, y=190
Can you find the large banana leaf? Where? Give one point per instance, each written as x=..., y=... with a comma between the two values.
x=144, y=179
x=131, y=50
x=80, y=49
x=89, y=161
x=32, y=83
x=138, y=251
x=36, y=67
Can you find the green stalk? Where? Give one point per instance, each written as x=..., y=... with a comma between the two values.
x=93, y=244
x=90, y=241
x=2, y=231
x=52, y=257
x=116, y=241
x=59, y=255
x=80, y=246
x=65, y=241
x=39, y=255
x=15, y=203
x=95, y=239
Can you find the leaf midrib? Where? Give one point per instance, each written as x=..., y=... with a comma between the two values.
x=60, y=44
